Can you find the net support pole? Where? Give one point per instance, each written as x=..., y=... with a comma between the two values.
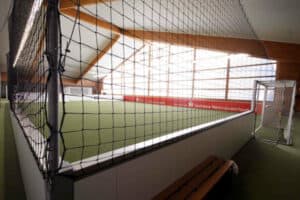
x=52, y=49
x=254, y=95
x=289, y=125
x=0, y=87
x=11, y=82
x=264, y=105
x=253, y=102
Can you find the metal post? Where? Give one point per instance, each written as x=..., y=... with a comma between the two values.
x=253, y=105
x=194, y=73
x=8, y=78
x=254, y=96
x=0, y=88
x=10, y=82
x=52, y=49
x=149, y=69
x=227, y=77
x=290, y=120
x=263, y=106
x=168, y=73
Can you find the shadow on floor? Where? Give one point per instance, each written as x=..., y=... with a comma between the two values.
x=268, y=171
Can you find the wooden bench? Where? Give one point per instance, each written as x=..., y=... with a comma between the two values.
x=197, y=183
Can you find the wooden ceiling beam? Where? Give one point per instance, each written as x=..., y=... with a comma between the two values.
x=256, y=48
x=224, y=44
x=125, y=60
x=83, y=83
x=230, y=45
x=67, y=4
x=281, y=51
x=98, y=57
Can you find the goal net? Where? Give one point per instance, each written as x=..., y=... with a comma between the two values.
x=274, y=108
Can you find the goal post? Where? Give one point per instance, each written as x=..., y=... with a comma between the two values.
x=273, y=103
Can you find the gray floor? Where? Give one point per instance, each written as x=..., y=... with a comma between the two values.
x=268, y=171
x=11, y=186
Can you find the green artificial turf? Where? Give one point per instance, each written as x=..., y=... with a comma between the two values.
x=89, y=129
x=11, y=186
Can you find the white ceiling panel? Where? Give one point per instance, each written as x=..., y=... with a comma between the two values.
x=275, y=20
x=83, y=45
x=208, y=17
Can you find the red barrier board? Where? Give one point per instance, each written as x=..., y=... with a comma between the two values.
x=210, y=104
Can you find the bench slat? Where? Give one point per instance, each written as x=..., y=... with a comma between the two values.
x=166, y=193
x=201, y=192
x=198, y=180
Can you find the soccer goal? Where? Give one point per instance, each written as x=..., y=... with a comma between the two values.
x=274, y=105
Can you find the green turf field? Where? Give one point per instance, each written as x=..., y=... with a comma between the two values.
x=98, y=130
x=90, y=128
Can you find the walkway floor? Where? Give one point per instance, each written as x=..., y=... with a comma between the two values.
x=268, y=171
x=11, y=186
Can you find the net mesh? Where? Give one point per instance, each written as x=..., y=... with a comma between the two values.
x=137, y=74
x=29, y=90
x=274, y=111
x=274, y=108
x=156, y=68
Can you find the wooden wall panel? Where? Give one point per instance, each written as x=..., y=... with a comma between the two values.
x=283, y=51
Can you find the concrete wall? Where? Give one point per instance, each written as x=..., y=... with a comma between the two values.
x=147, y=175
x=34, y=183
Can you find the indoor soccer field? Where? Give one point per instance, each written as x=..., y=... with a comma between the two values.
x=117, y=99
x=91, y=128
x=116, y=88
x=129, y=75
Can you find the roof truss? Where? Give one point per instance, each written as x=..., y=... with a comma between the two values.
x=67, y=4
x=98, y=57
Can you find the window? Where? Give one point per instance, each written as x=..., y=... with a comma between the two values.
x=176, y=71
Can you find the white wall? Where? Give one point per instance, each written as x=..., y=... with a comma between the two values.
x=32, y=178
x=144, y=176
x=147, y=175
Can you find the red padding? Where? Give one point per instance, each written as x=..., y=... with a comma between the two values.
x=210, y=104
